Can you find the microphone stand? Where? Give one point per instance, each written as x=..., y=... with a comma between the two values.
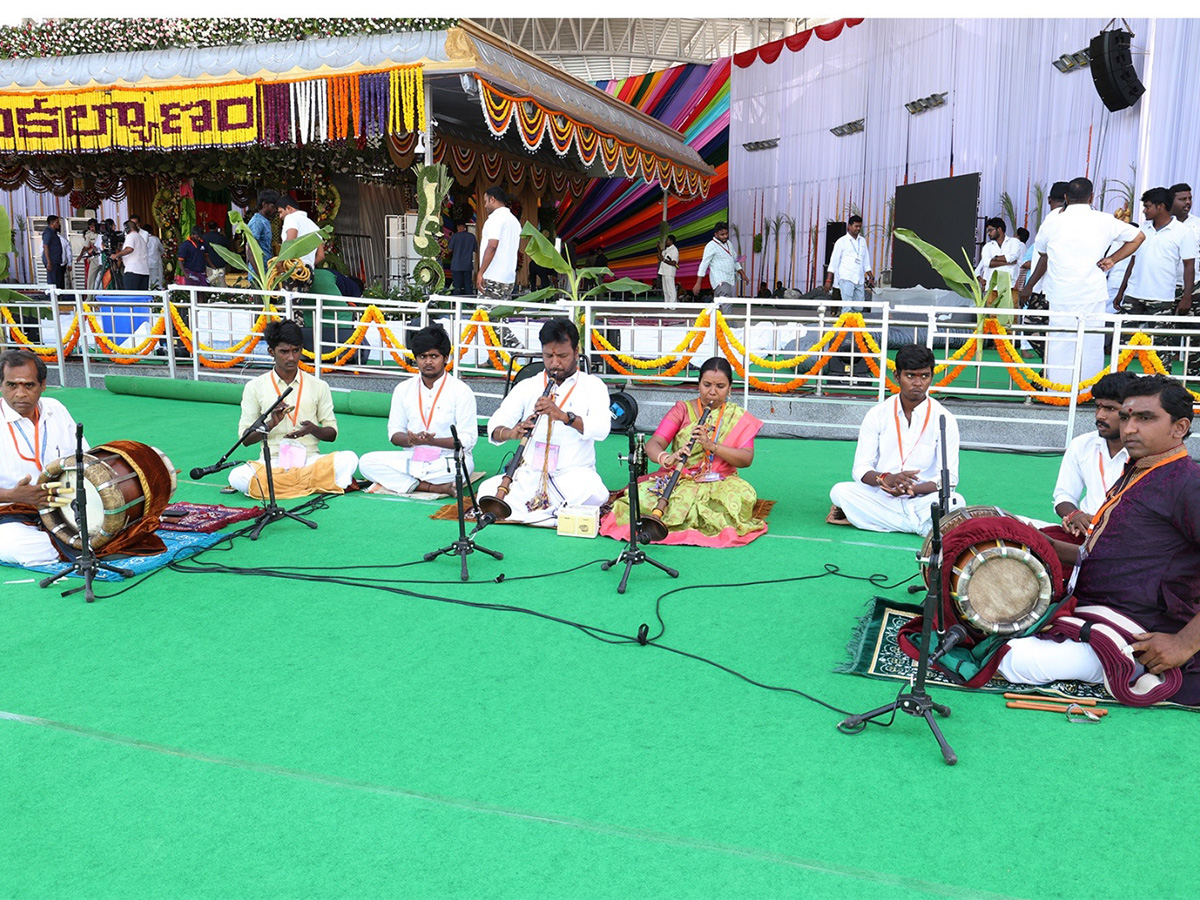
x=85, y=563
x=916, y=700
x=633, y=554
x=465, y=544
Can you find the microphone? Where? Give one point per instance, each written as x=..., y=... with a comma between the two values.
x=201, y=471
x=954, y=636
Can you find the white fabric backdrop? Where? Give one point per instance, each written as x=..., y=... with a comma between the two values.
x=1010, y=115
x=29, y=203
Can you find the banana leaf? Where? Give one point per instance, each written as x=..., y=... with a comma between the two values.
x=542, y=252
x=961, y=282
x=6, y=242
x=229, y=256
x=620, y=286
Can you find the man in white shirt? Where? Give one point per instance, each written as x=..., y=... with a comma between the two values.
x=1094, y=460
x=1000, y=253
x=558, y=467
x=1074, y=244
x=898, y=460
x=850, y=268
x=295, y=429
x=154, y=259
x=1149, y=284
x=36, y=431
x=668, y=265
x=133, y=254
x=1182, y=211
x=423, y=409
x=721, y=264
x=499, y=243
x=296, y=223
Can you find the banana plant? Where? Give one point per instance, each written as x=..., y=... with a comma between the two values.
x=963, y=281
x=542, y=252
x=282, y=267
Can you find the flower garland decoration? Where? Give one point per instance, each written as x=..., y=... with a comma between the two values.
x=433, y=184
x=835, y=339
x=67, y=37
x=48, y=354
x=687, y=347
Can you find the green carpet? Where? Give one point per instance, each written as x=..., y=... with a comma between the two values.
x=221, y=734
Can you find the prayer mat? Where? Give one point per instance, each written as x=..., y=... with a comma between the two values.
x=450, y=511
x=874, y=653
x=204, y=518
x=180, y=544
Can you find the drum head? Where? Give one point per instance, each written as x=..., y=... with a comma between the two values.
x=952, y=520
x=1001, y=588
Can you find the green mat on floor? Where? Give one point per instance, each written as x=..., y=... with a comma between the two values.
x=236, y=733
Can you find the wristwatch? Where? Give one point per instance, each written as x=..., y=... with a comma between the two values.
x=571, y=417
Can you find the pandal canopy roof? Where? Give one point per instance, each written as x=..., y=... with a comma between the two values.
x=484, y=92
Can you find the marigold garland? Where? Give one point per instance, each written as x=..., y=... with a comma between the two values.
x=688, y=346
x=47, y=354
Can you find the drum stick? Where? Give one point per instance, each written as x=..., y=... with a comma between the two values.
x=1038, y=698
x=52, y=485
x=1049, y=707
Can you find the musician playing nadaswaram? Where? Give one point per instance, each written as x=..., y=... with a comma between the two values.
x=37, y=430
x=711, y=505
x=423, y=409
x=559, y=463
x=296, y=428
x=898, y=461
x=1141, y=558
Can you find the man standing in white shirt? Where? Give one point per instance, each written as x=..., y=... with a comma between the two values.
x=423, y=409
x=296, y=223
x=499, y=243
x=133, y=254
x=1074, y=244
x=898, y=460
x=721, y=264
x=1149, y=284
x=668, y=265
x=558, y=467
x=850, y=268
x=1182, y=211
x=1000, y=253
x=36, y=431
x=1093, y=461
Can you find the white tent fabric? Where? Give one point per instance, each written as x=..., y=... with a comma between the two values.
x=25, y=204
x=1009, y=115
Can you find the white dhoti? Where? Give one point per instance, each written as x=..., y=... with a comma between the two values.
x=1031, y=660
x=345, y=462
x=1060, y=347
x=873, y=509
x=397, y=471
x=579, y=486
x=25, y=545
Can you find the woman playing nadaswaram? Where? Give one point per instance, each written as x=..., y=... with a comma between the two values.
x=711, y=504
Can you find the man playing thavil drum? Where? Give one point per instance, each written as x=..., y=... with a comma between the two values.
x=296, y=427
x=36, y=430
x=897, y=464
x=1141, y=559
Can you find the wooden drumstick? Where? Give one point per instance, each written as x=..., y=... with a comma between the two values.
x=52, y=485
x=1050, y=707
x=1038, y=698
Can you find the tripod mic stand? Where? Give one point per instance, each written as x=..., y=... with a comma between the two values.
x=916, y=700
x=86, y=563
x=465, y=544
x=633, y=554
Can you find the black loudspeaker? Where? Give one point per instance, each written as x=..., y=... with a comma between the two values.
x=1112, y=70
x=834, y=231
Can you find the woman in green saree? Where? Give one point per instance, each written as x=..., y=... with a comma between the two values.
x=711, y=505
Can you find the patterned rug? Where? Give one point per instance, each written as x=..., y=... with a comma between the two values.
x=873, y=651
x=180, y=544
x=204, y=518
x=450, y=511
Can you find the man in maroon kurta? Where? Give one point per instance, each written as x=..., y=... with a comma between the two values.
x=1142, y=555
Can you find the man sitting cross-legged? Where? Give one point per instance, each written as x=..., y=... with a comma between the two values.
x=296, y=428
x=423, y=409
x=1139, y=569
x=898, y=462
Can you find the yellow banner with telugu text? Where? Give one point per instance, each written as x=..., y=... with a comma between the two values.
x=164, y=118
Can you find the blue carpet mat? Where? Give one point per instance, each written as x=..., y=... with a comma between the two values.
x=180, y=544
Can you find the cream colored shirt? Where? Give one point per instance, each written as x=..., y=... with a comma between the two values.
x=311, y=400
